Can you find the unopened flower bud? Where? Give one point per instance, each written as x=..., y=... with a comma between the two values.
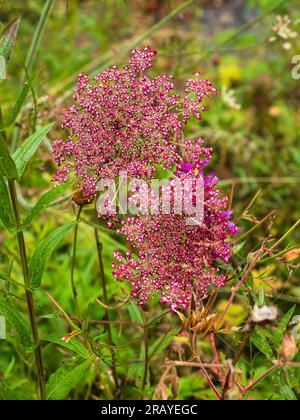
x=288, y=348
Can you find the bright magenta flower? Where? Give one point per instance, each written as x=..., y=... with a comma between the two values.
x=173, y=259
x=124, y=120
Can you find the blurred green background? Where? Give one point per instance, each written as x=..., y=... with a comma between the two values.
x=253, y=126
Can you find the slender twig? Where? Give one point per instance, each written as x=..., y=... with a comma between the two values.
x=146, y=358
x=194, y=364
x=242, y=281
x=105, y=297
x=216, y=357
x=274, y=246
x=210, y=382
x=272, y=212
x=261, y=378
x=73, y=284
x=66, y=316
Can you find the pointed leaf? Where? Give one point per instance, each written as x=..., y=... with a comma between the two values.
x=134, y=313
x=45, y=201
x=29, y=147
x=282, y=326
x=19, y=322
x=2, y=68
x=7, y=165
x=64, y=380
x=8, y=38
x=288, y=393
x=18, y=105
x=74, y=345
x=262, y=344
x=8, y=394
x=6, y=211
x=44, y=251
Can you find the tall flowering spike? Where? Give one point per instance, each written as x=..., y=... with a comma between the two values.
x=173, y=259
x=122, y=119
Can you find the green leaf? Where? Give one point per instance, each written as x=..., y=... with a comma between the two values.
x=63, y=380
x=74, y=345
x=6, y=211
x=29, y=147
x=2, y=68
x=135, y=314
x=288, y=393
x=282, y=326
x=44, y=251
x=19, y=322
x=161, y=343
x=18, y=105
x=7, y=164
x=262, y=344
x=8, y=394
x=45, y=201
x=8, y=38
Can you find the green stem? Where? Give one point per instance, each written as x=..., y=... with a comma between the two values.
x=105, y=298
x=146, y=360
x=73, y=284
x=25, y=271
x=28, y=293
x=31, y=55
x=36, y=40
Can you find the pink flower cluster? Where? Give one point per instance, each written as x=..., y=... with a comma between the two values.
x=172, y=258
x=125, y=120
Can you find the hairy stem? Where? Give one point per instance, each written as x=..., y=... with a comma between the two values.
x=105, y=297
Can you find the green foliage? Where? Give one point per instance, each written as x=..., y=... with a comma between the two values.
x=18, y=322
x=6, y=212
x=7, y=165
x=73, y=345
x=44, y=251
x=64, y=380
x=29, y=147
x=256, y=150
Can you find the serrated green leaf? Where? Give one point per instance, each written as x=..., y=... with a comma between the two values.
x=14, y=317
x=7, y=164
x=64, y=380
x=44, y=251
x=6, y=211
x=29, y=147
x=135, y=314
x=45, y=201
x=8, y=38
x=262, y=345
x=282, y=326
x=74, y=345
